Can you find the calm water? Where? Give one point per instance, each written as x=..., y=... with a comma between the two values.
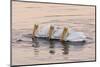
x=41, y=51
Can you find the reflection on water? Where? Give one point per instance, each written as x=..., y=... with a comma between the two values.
x=52, y=47
x=41, y=51
x=53, y=44
x=35, y=44
x=65, y=47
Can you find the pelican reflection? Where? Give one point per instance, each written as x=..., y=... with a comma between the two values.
x=35, y=44
x=52, y=47
x=65, y=48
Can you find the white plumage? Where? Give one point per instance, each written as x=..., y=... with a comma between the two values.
x=71, y=35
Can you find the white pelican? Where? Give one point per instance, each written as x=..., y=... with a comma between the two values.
x=63, y=33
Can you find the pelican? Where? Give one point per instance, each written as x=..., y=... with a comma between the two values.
x=63, y=33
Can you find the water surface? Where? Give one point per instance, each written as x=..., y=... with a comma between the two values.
x=41, y=51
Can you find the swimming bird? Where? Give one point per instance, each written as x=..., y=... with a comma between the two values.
x=63, y=33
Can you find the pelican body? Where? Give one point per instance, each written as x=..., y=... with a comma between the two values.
x=63, y=33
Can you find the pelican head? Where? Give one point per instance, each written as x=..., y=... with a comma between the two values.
x=65, y=31
x=51, y=29
x=34, y=30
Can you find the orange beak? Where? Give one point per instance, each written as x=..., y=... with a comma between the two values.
x=65, y=31
x=34, y=30
x=50, y=32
